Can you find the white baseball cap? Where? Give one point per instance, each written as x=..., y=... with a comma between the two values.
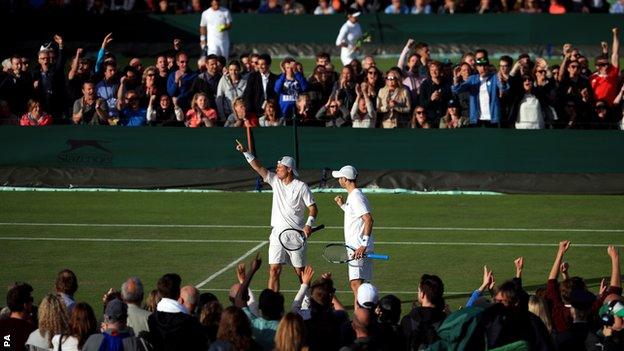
x=367, y=296
x=290, y=163
x=348, y=172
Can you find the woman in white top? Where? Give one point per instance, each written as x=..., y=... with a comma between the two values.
x=323, y=8
x=363, y=113
x=530, y=112
x=52, y=320
x=271, y=118
x=82, y=324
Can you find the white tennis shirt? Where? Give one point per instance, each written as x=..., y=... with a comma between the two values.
x=289, y=202
x=356, y=206
x=212, y=19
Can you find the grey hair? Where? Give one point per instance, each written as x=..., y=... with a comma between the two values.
x=135, y=295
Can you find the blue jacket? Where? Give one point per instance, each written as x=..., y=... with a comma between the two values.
x=183, y=92
x=494, y=87
x=288, y=91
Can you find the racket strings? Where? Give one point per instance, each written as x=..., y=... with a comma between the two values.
x=338, y=253
x=292, y=239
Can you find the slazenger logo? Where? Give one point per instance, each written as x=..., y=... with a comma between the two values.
x=85, y=153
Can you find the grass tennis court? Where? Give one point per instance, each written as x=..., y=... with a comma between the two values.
x=107, y=236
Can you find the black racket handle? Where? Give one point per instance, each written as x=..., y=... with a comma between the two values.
x=318, y=228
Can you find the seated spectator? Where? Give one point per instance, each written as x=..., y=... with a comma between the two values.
x=115, y=333
x=421, y=7
x=393, y=102
x=333, y=113
x=35, y=116
x=164, y=112
x=486, y=6
x=603, y=117
x=420, y=119
x=291, y=333
x=200, y=114
x=132, y=295
x=270, y=7
x=365, y=6
x=82, y=324
x=129, y=81
x=530, y=6
x=132, y=114
x=89, y=109
x=556, y=8
x=450, y=8
x=291, y=7
x=453, y=118
x=617, y=7
x=19, y=323
x=419, y=326
x=396, y=8
x=323, y=8
x=363, y=113
x=53, y=320
x=289, y=85
x=231, y=86
x=270, y=117
x=6, y=116
x=240, y=117
x=303, y=112
x=171, y=327
x=234, y=332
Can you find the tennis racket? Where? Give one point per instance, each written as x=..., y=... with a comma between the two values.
x=341, y=253
x=294, y=239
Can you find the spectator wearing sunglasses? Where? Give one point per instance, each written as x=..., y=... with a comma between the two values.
x=393, y=102
x=604, y=81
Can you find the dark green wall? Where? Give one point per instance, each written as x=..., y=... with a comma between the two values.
x=478, y=150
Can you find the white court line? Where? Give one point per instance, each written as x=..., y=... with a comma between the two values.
x=440, y=243
x=231, y=265
x=131, y=225
x=446, y=293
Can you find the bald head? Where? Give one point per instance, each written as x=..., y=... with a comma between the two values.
x=188, y=298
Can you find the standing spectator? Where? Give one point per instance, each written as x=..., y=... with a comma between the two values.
x=435, y=92
x=396, y=8
x=81, y=71
x=49, y=79
x=208, y=82
x=180, y=81
x=611, y=335
x=528, y=111
x=422, y=49
x=152, y=301
x=270, y=7
x=115, y=333
x=372, y=84
x=485, y=89
x=230, y=88
x=171, y=327
x=163, y=112
x=82, y=324
x=348, y=37
x=149, y=86
x=291, y=333
x=215, y=23
x=89, y=109
x=234, y=332
x=453, y=118
x=344, y=88
x=16, y=87
x=289, y=85
x=132, y=114
x=537, y=305
x=323, y=8
x=319, y=87
x=393, y=102
x=605, y=80
x=388, y=314
x=363, y=113
x=409, y=62
x=361, y=324
x=200, y=114
x=240, y=117
x=107, y=88
x=260, y=85
x=271, y=117
x=35, y=115
x=291, y=7
x=19, y=322
x=163, y=72
x=419, y=326
x=53, y=320
x=132, y=295
x=209, y=317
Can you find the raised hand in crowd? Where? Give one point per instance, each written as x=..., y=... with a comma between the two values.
x=177, y=44
x=487, y=279
x=107, y=40
x=563, y=247
x=307, y=275
x=564, y=269
x=59, y=41
x=519, y=263
x=240, y=272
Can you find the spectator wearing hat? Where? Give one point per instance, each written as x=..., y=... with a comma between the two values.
x=453, y=118
x=388, y=314
x=19, y=323
x=610, y=335
x=49, y=79
x=419, y=326
x=349, y=34
x=115, y=335
x=485, y=89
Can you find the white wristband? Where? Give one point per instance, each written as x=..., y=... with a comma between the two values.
x=249, y=156
x=363, y=240
x=311, y=220
x=202, y=37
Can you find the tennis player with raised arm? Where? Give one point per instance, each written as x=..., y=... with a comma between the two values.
x=358, y=227
x=291, y=197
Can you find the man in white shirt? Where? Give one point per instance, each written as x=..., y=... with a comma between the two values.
x=348, y=37
x=291, y=197
x=213, y=30
x=358, y=227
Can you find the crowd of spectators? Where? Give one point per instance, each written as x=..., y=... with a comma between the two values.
x=419, y=92
x=327, y=7
x=562, y=315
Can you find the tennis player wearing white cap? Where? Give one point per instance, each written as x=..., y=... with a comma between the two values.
x=291, y=196
x=347, y=39
x=358, y=226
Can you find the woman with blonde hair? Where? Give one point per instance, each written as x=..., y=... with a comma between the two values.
x=291, y=333
x=152, y=300
x=201, y=114
x=52, y=321
x=537, y=306
x=393, y=102
x=35, y=116
x=82, y=324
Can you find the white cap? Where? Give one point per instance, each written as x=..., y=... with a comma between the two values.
x=290, y=163
x=367, y=296
x=348, y=172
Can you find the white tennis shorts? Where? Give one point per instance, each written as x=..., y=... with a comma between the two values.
x=279, y=255
x=361, y=269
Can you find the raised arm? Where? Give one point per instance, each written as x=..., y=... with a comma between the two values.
x=616, y=279
x=487, y=280
x=554, y=271
x=253, y=161
x=567, y=48
x=74, y=65
x=615, y=48
x=404, y=53
x=240, y=300
x=519, y=263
